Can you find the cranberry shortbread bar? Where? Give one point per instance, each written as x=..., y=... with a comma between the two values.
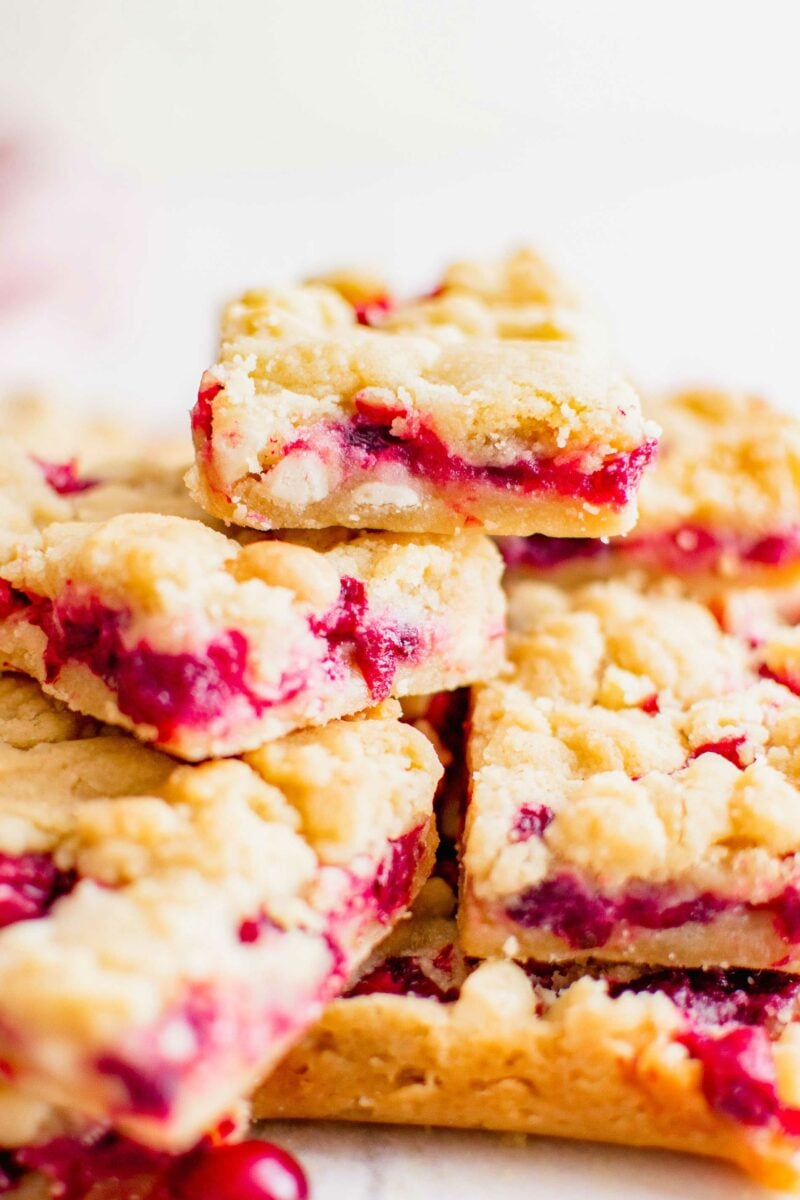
x=168, y=930
x=482, y=405
x=706, y=1062
x=634, y=791
x=210, y=645
x=722, y=501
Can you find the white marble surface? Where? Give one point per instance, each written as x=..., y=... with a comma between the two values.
x=376, y=1162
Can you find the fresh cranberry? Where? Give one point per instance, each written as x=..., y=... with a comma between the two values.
x=246, y=1171
x=650, y=705
x=532, y=820
x=114, y=1165
x=63, y=477
x=726, y=748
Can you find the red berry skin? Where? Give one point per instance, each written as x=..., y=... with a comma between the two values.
x=251, y=1170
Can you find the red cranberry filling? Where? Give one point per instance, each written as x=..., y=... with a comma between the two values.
x=788, y=681
x=63, y=477
x=786, y=909
x=532, y=820
x=394, y=880
x=203, y=412
x=739, y=1077
x=585, y=919
x=150, y=1085
x=403, y=975
x=686, y=548
x=726, y=747
x=377, y=646
x=166, y=691
x=729, y=1012
x=718, y=996
x=369, y=312
x=541, y=552
x=251, y=1170
x=29, y=886
x=170, y=691
x=371, y=438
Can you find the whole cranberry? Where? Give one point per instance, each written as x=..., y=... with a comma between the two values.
x=246, y=1171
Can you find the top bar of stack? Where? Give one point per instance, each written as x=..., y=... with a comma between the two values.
x=490, y=403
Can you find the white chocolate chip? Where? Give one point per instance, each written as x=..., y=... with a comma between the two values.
x=385, y=495
x=299, y=479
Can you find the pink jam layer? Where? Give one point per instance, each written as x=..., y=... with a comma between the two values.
x=688, y=548
x=63, y=477
x=586, y=919
x=30, y=884
x=151, y=1084
x=113, y=1164
x=193, y=690
x=372, y=439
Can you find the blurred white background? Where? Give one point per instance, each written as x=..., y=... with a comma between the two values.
x=156, y=157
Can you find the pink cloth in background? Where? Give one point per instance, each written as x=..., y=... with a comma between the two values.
x=72, y=240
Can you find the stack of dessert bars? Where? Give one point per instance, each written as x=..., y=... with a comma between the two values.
x=557, y=891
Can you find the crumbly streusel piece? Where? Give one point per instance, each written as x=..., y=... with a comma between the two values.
x=635, y=789
x=72, y=444
x=705, y=1062
x=491, y=403
x=210, y=645
x=720, y=503
x=167, y=930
